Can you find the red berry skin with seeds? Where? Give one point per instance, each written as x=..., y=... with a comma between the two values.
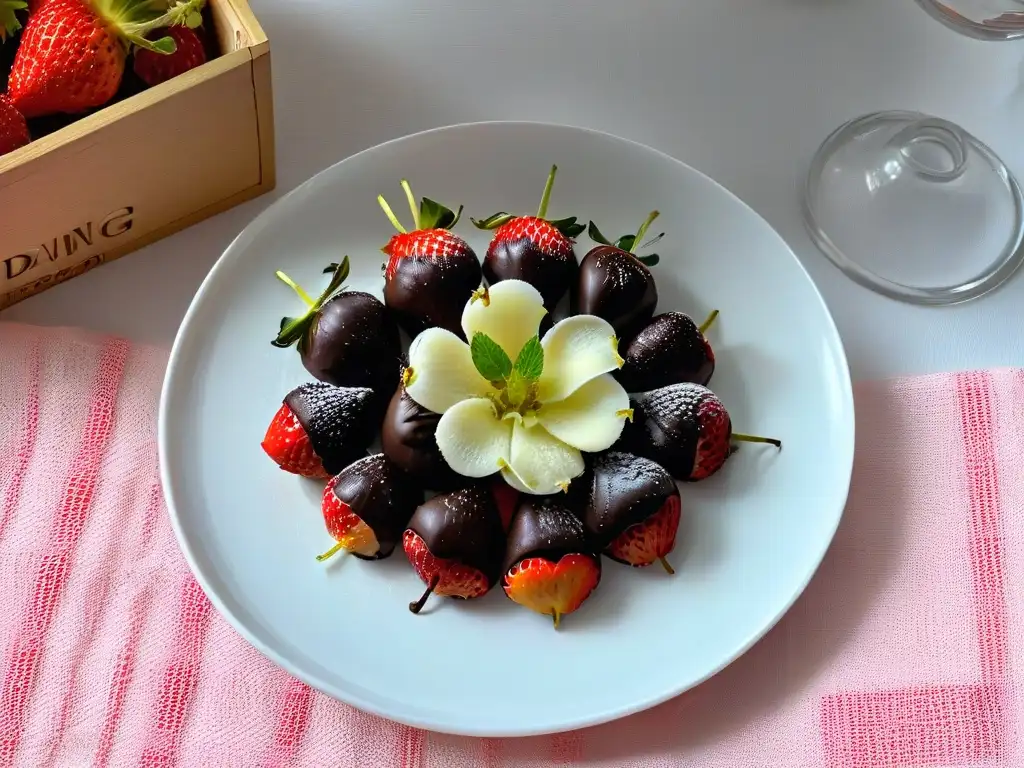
x=454, y=578
x=533, y=250
x=69, y=61
x=650, y=541
x=549, y=566
x=429, y=277
x=684, y=427
x=155, y=68
x=458, y=538
x=13, y=128
x=288, y=444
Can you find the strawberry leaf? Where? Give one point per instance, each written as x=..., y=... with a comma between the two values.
x=433, y=215
x=490, y=359
x=596, y=235
x=626, y=242
x=651, y=259
x=493, y=222
x=568, y=227
x=9, y=21
x=530, y=362
x=293, y=329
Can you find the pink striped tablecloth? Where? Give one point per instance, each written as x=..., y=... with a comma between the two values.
x=906, y=650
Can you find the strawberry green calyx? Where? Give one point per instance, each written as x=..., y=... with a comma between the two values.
x=568, y=227
x=134, y=19
x=9, y=21
x=293, y=329
x=430, y=214
x=630, y=243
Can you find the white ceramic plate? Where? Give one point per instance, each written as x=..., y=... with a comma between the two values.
x=751, y=538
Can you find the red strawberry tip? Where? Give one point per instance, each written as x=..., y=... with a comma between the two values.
x=651, y=540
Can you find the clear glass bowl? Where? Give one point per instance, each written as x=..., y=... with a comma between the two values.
x=915, y=207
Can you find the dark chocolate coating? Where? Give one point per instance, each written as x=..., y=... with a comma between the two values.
x=407, y=438
x=625, y=489
x=465, y=526
x=666, y=428
x=670, y=350
x=616, y=286
x=432, y=293
x=341, y=421
x=545, y=526
x=381, y=495
x=522, y=260
x=354, y=342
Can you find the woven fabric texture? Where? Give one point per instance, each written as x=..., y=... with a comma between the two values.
x=905, y=650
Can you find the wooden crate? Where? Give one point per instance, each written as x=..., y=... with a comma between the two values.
x=143, y=168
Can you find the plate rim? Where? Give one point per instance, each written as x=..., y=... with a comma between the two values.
x=172, y=374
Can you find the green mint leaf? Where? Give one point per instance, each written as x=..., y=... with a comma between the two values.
x=530, y=362
x=490, y=359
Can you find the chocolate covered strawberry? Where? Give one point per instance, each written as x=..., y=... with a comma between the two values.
x=456, y=543
x=73, y=52
x=346, y=338
x=320, y=429
x=672, y=349
x=155, y=68
x=632, y=509
x=13, y=128
x=686, y=429
x=366, y=507
x=615, y=284
x=549, y=567
x=408, y=439
x=431, y=272
x=534, y=249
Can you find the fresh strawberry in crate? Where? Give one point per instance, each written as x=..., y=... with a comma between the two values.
x=13, y=128
x=73, y=52
x=155, y=68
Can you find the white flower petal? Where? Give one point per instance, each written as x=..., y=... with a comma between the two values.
x=591, y=418
x=540, y=463
x=509, y=312
x=472, y=439
x=576, y=350
x=441, y=371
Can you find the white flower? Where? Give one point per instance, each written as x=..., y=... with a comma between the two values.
x=513, y=403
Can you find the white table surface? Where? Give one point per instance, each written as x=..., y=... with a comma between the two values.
x=744, y=90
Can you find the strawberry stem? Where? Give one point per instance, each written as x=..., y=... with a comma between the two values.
x=391, y=215
x=707, y=323
x=643, y=229
x=556, y=617
x=412, y=204
x=330, y=552
x=306, y=298
x=756, y=439
x=546, y=198
x=135, y=20
x=418, y=605
x=667, y=566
